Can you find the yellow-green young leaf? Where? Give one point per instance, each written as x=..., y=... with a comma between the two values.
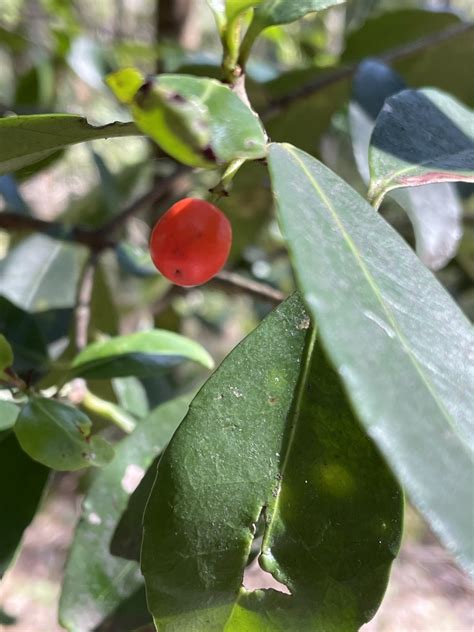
x=420, y=137
x=125, y=83
x=198, y=121
x=29, y=139
x=96, y=582
x=6, y=356
x=398, y=341
x=270, y=436
x=140, y=354
x=59, y=436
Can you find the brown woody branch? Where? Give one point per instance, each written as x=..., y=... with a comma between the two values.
x=323, y=81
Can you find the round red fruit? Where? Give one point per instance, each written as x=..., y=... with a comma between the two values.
x=190, y=243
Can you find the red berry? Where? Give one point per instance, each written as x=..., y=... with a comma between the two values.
x=190, y=243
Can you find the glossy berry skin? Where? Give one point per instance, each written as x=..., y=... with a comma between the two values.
x=190, y=243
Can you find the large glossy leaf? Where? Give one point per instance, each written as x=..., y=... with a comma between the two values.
x=270, y=436
x=59, y=436
x=394, y=335
x=435, y=210
x=28, y=139
x=23, y=481
x=40, y=274
x=420, y=137
x=198, y=121
x=96, y=582
x=139, y=354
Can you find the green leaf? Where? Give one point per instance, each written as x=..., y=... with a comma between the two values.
x=8, y=415
x=6, y=357
x=135, y=260
x=25, y=337
x=59, y=436
x=95, y=582
x=420, y=137
x=394, y=335
x=392, y=29
x=358, y=11
x=28, y=139
x=198, y=121
x=127, y=539
x=131, y=395
x=228, y=10
x=23, y=481
x=139, y=354
x=435, y=210
x=40, y=274
x=272, y=12
x=270, y=436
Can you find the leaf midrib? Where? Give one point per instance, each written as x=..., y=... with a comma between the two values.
x=378, y=294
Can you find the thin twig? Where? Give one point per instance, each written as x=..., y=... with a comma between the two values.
x=79, y=235
x=100, y=238
x=159, y=191
x=255, y=288
x=82, y=311
x=345, y=72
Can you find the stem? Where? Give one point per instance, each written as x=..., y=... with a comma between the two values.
x=251, y=35
x=109, y=411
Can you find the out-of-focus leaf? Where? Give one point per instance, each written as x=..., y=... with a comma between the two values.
x=28, y=139
x=139, y=354
x=59, y=436
x=286, y=448
x=131, y=395
x=135, y=260
x=6, y=356
x=435, y=210
x=23, y=481
x=35, y=89
x=392, y=29
x=420, y=137
x=358, y=11
x=6, y=619
x=130, y=613
x=8, y=414
x=108, y=185
x=272, y=12
x=398, y=341
x=40, y=274
x=127, y=538
x=14, y=40
x=196, y=120
x=25, y=337
x=12, y=196
x=96, y=582
x=86, y=58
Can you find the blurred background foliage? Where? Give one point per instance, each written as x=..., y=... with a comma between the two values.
x=53, y=56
